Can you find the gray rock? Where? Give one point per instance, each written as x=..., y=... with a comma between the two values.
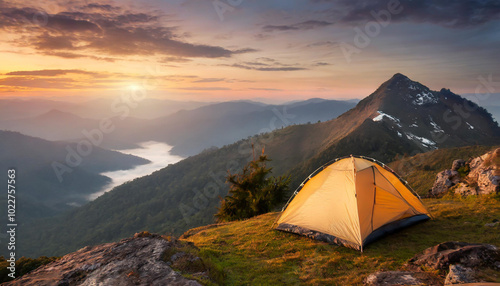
x=483, y=177
x=457, y=164
x=492, y=224
x=441, y=256
x=444, y=181
x=464, y=190
x=131, y=261
x=459, y=275
x=177, y=255
x=485, y=171
x=392, y=278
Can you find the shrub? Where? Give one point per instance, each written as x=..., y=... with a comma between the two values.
x=251, y=192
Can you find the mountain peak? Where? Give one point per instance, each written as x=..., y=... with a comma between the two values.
x=402, y=90
x=399, y=80
x=399, y=77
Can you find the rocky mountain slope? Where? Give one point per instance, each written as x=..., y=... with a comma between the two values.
x=186, y=194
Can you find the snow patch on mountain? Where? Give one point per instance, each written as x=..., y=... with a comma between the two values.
x=381, y=116
x=436, y=127
x=425, y=97
x=424, y=141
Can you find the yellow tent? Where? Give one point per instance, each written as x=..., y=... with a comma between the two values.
x=352, y=202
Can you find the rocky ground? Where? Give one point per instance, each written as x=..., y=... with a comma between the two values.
x=477, y=176
x=145, y=259
x=459, y=262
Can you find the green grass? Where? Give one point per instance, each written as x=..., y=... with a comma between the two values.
x=250, y=252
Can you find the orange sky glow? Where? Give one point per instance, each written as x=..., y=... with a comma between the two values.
x=275, y=50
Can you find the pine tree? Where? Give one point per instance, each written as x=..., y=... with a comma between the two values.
x=252, y=192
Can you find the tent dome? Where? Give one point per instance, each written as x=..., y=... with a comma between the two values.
x=352, y=202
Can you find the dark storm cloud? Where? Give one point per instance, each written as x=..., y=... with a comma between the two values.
x=308, y=25
x=105, y=31
x=447, y=13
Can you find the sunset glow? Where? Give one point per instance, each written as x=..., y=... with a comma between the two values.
x=275, y=50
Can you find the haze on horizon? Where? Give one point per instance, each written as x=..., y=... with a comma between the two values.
x=272, y=50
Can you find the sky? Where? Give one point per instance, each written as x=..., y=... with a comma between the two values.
x=275, y=50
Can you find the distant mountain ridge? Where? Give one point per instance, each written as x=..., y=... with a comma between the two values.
x=186, y=194
x=220, y=124
x=41, y=194
x=189, y=131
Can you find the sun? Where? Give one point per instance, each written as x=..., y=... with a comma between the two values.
x=134, y=87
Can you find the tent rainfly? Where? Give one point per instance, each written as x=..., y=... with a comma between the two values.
x=351, y=201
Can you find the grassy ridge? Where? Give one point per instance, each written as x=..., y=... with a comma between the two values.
x=250, y=252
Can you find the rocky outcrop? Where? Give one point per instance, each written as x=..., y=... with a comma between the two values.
x=485, y=172
x=478, y=176
x=393, y=278
x=133, y=261
x=441, y=256
x=459, y=261
x=444, y=181
x=459, y=275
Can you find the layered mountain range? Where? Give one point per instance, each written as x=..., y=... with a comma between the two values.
x=401, y=117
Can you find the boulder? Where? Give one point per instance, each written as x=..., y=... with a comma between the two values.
x=470, y=255
x=444, y=181
x=459, y=275
x=132, y=261
x=392, y=278
x=457, y=164
x=483, y=177
x=485, y=170
x=464, y=190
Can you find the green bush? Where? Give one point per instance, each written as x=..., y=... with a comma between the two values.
x=251, y=192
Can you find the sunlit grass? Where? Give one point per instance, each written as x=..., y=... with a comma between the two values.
x=250, y=252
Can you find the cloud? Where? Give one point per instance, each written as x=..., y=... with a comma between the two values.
x=172, y=59
x=102, y=30
x=69, y=55
x=101, y=7
x=66, y=24
x=323, y=44
x=308, y=25
x=37, y=82
x=281, y=68
x=266, y=89
x=204, y=88
x=319, y=64
x=50, y=72
x=447, y=13
x=209, y=80
x=266, y=64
